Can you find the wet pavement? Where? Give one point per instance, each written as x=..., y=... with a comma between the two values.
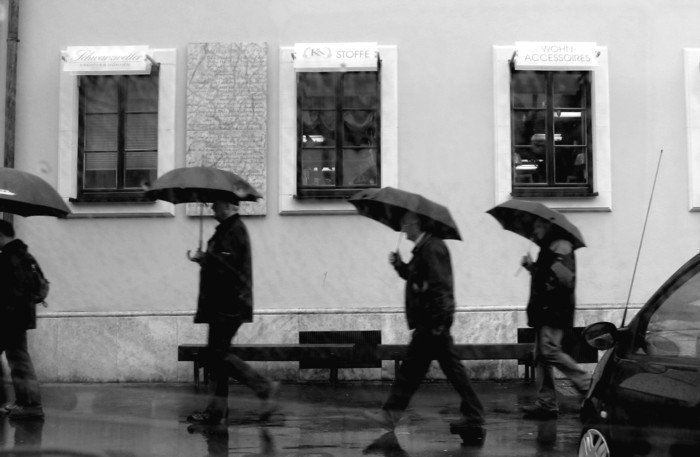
x=315, y=420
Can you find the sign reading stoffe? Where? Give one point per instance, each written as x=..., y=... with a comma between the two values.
x=335, y=56
x=534, y=55
x=106, y=60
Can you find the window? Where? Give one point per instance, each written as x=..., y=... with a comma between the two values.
x=118, y=138
x=69, y=139
x=338, y=119
x=551, y=133
x=598, y=194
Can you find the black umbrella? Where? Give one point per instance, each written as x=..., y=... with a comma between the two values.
x=202, y=185
x=26, y=194
x=388, y=205
x=518, y=216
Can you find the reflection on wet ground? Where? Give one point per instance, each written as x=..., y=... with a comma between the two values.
x=315, y=420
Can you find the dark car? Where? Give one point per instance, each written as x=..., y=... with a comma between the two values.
x=645, y=394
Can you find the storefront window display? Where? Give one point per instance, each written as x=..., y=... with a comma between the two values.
x=551, y=133
x=338, y=125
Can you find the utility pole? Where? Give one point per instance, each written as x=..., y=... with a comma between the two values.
x=11, y=87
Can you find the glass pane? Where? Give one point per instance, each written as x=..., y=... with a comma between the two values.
x=674, y=329
x=141, y=131
x=101, y=132
x=361, y=90
x=318, y=128
x=140, y=168
x=317, y=90
x=100, y=170
x=528, y=89
x=569, y=89
x=529, y=166
x=318, y=167
x=101, y=94
x=360, y=128
x=141, y=94
x=360, y=167
x=570, y=165
x=568, y=126
x=527, y=123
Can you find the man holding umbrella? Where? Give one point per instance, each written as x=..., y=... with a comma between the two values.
x=430, y=307
x=225, y=303
x=550, y=311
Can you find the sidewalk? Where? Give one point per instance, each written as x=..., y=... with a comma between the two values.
x=320, y=420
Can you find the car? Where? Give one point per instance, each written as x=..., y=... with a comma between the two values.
x=644, y=396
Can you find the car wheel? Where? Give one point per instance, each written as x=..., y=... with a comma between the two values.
x=593, y=443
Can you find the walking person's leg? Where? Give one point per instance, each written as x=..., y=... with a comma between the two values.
x=547, y=344
x=24, y=379
x=471, y=407
x=408, y=379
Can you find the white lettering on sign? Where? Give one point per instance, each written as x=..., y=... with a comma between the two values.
x=547, y=56
x=335, y=56
x=84, y=60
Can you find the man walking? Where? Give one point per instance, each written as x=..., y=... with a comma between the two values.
x=17, y=315
x=430, y=311
x=550, y=311
x=225, y=303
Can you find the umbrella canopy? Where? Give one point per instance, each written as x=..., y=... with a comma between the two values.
x=519, y=216
x=388, y=205
x=203, y=185
x=26, y=194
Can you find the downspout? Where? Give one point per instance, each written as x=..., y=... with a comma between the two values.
x=11, y=87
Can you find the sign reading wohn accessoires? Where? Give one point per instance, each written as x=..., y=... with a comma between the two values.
x=542, y=55
x=106, y=60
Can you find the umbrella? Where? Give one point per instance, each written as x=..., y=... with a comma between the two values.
x=26, y=194
x=201, y=185
x=388, y=205
x=519, y=216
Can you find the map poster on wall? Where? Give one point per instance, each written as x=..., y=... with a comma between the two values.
x=227, y=114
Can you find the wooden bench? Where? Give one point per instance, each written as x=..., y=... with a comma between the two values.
x=522, y=352
x=573, y=344
x=271, y=353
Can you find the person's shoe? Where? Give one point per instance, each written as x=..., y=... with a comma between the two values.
x=472, y=433
x=384, y=418
x=269, y=404
x=6, y=408
x=538, y=412
x=20, y=412
x=206, y=418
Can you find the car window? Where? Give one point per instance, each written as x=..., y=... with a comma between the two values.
x=673, y=329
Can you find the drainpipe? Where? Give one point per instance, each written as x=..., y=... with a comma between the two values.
x=11, y=87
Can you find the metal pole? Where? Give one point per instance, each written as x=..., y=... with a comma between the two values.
x=11, y=87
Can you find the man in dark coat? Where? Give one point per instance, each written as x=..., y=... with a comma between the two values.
x=17, y=315
x=430, y=308
x=550, y=311
x=225, y=303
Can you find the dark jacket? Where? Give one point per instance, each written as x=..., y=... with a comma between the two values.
x=429, y=288
x=16, y=308
x=552, y=301
x=226, y=276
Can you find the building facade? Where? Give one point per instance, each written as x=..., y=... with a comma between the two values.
x=469, y=103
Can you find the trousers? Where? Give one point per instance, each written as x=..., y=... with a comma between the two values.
x=423, y=349
x=224, y=365
x=549, y=355
x=24, y=381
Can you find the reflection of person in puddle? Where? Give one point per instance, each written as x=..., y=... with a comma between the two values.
x=28, y=433
x=386, y=444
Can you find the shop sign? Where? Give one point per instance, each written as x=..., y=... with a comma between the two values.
x=544, y=55
x=335, y=56
x=106, y=60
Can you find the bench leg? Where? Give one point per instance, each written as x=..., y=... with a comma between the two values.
x=397, y=362
x=334, y=375
x=196, y=374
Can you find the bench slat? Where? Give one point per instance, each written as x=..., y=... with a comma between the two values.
x=273, y=352
x=519, y=351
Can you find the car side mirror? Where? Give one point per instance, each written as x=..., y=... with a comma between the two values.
x=601, y=335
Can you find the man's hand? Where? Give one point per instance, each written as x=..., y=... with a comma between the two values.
x=198, y=256
x=526, y=262
x=395, y=259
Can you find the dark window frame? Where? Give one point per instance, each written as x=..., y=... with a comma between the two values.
x=551, y=188
x=121, y=194
x=306, y=191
